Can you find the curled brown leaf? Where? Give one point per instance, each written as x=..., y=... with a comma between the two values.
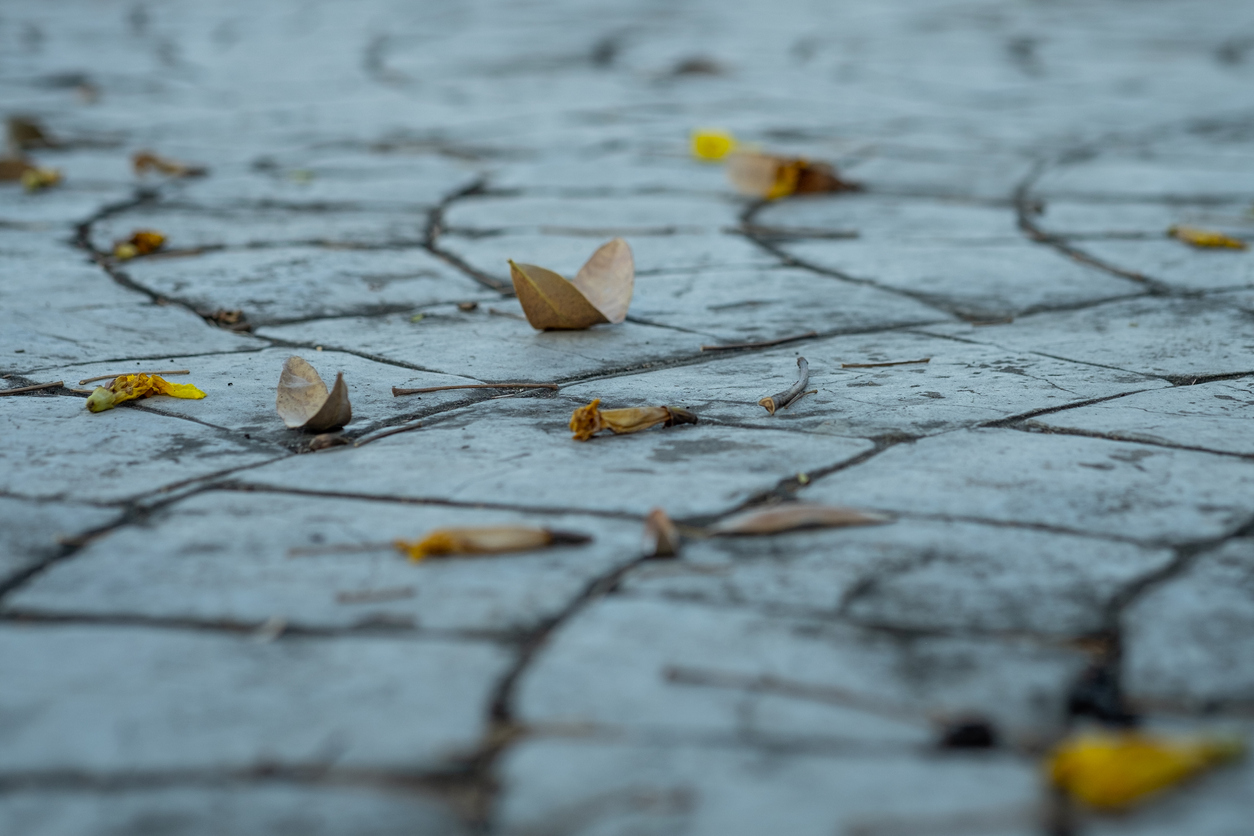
x=587, y=421
x=303, y=401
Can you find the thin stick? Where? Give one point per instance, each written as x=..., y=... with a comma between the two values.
x=32, y=388
x=763, y=344
x=119, y=374
x=878, y=365
x=398, y=392
x=338, y=548
x=786, y=398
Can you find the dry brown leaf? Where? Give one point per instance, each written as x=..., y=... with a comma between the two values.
x=770, y=177
x=587, y=421
x=304, y=403
x=25, y=132
x=487, y=540
x=599, y=293
x=12, y=168
x=145, y=161
x=794, y=516
x=661, y=535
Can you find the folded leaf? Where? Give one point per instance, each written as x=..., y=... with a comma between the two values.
x=488, y=540
x=587, y=421
x=1205, y=238
x=128, y=387
x=1110, y=771
x=794, y=516
x=303, y=401
x=599, y=293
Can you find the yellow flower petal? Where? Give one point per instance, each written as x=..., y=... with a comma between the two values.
x=129, y=387
x=712, y=145
x=1205, y=238
x=1112, y=771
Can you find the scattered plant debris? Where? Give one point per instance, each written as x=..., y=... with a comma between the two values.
x=397, y=392
x=33, y=388
x=793, y=393
x=146, y=161
x=141, y=242
x=13, y=167
x=232, y=320
x=882, y=365
x=87, y=380
x=487, y=540
x=1205, y=239
x=1114, y=770
x=35, y=178
x=661, y=535
x=762, y=344
x=128, y=387
x=587, y=421
x=467, y=307
x=712, y=144
x=25, y=132
x=304, y=403
x=794, y=516
x=770, y=177
x=599, y=293
x=323, y=441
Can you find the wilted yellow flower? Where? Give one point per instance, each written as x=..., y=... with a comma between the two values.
x=129, y=387
x=141, y=242
x=488, y=540
x=1110, y=771
x=587, y=421
x=711, y=144
x=1205, y=238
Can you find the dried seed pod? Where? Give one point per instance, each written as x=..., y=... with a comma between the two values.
x=587, y=421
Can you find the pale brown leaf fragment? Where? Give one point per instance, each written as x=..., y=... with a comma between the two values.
x=794, y=516
x=785, y=399
x=25, y=132
x=12, y=168
x=303, y=401
x=607, y=279
x=587, y=421
x=661, y=535
x=599, y=293
x=486, y=540
x=145, y=161
x=771, y=177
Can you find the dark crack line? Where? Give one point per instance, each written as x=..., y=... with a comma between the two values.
x=1048, y=429
x=435, y=227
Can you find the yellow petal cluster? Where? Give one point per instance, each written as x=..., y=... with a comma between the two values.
x=712, y=145
x=129, y=387
x=1111, y=771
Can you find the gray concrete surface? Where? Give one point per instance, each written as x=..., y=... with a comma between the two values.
x=1069, y=477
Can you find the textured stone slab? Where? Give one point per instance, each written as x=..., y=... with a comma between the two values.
x=524, y=213
x=227, y=557
x=753, y=305
x=230, y=808
x=57, y=449
x=1187, y=640
x=240, y=389
x=1148, y=175
x=492, y=347
x=691, y=669
x=587, y=787
x=1081, y=484
x=913, y=575
x=1212, y=416
x=888, y=218
x=32, y=530
x=287, y=283
x=991, y=281
x=162, y=699
x=520, y=452
x=962, y=384
x=1177, y=264
x=1178, y=337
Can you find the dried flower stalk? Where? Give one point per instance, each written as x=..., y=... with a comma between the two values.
x=587, y=421
x=785, y=399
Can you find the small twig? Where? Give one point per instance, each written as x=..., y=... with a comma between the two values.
x=763, y=344
x=878, y=365
x=37, y=386
x=785, y=399
x=510, y=314
x=398, y=392
x=338, y=548
x=119, y=374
